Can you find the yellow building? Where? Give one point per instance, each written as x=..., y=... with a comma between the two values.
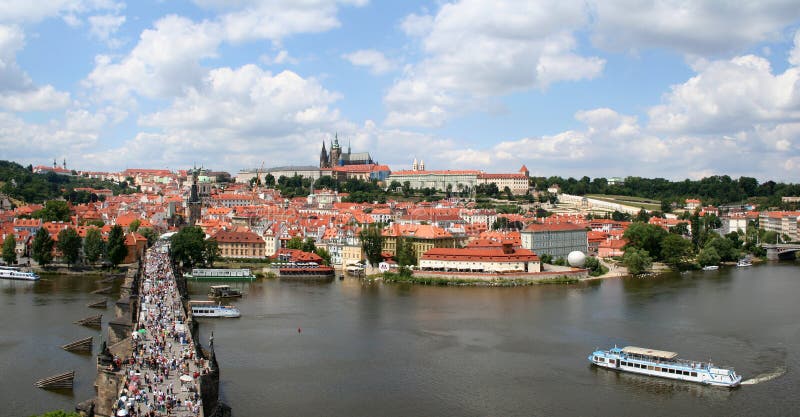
x=239, y=244
x=422, y=238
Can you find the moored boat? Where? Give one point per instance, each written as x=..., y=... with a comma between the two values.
x=223, y=291
x=744, y=262
x=11, y=272
x=664, y=364
x=218, y=274
x=213, y=309
x=710, y=267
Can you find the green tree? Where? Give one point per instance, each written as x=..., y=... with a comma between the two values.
x=211, y=251
x=295, y=243
x=93, y=245
x=150, y=234
x=724, y=247
x=595, y=267
x=636, y=260
x=42, y=247
x=681, y=229
x=324, y=254
x=708, y=256
x=69, y=243
x=191, y=247
x=645, y=236
x=643, y=216
x=372, y=244
x=405, y=252
x=308, y=245
x=674, y=249
x=117, y=251
x=9, y=249
x=269, y=180
x=53, y=211
x=134, y=226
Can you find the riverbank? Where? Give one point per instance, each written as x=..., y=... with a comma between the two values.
x=404, y=278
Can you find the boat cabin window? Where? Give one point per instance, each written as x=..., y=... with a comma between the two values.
x=694, y=374
x=658, y=369
x=672, y=371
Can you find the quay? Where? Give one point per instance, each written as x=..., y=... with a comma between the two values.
x=153, y=364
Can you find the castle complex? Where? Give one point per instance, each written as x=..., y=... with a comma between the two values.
x=337, y=158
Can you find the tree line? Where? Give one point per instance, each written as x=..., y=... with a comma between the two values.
x=716, y=190
x=22, y=183
x=71, y=247
x=687, y=247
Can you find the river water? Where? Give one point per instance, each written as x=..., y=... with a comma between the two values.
x=352, y=348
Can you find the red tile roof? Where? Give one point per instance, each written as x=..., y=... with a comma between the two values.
x=225, y=236
x=480, y=255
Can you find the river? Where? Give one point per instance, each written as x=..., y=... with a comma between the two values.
x=352, y=348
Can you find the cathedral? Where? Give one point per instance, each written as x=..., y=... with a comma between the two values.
x=338, y=158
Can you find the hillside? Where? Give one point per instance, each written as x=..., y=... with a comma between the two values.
x=22, y=185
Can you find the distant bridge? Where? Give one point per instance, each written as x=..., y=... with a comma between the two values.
x=781, y=250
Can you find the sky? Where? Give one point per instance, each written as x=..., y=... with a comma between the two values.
x=664, y=88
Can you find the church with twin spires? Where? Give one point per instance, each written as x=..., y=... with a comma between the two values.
x=337, y=158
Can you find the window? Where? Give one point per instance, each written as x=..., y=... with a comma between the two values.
x=649, y=367
x=658, y=369
x=672, y=371
x=694, y=374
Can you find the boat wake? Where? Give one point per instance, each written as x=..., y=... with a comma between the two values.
x=765, y=377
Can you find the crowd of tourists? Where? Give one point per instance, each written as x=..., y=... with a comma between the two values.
x=162, y=374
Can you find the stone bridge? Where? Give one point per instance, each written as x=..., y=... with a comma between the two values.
x=782, y=250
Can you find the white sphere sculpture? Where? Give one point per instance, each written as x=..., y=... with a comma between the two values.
x=576, y=259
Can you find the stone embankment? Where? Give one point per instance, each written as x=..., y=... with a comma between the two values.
x=152, y=363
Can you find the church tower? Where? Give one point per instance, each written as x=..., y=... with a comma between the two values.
x=336, y=151
x=194, y=205
x=323, y=157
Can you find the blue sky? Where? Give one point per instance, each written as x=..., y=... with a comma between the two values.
x=670, y=88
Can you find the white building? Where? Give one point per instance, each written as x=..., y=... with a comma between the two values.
x=487, y=260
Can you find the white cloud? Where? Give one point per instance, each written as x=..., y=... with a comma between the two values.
x=33, y=143
x=249, y=101
x=17, y=90
x=375, y=61
x=417, y=25
x=42, y=98
x=103, y=28
x=245, y=20
x=794, y=53
x=282, y=57
x=163, y=64
x=728, y=96
x=475, y=50
x=35, y=11
x=701, y=27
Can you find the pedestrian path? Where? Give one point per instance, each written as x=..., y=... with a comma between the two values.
x=162, y=374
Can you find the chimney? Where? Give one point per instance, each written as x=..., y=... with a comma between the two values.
x=508, y=249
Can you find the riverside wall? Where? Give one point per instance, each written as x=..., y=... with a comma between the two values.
x=479, y=276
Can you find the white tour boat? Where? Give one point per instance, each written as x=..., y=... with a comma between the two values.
x=664, y=364
x=216, y=274
x=213, y=309
x=11, y=272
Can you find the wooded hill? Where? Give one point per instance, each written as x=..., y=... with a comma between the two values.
x=20, y=183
